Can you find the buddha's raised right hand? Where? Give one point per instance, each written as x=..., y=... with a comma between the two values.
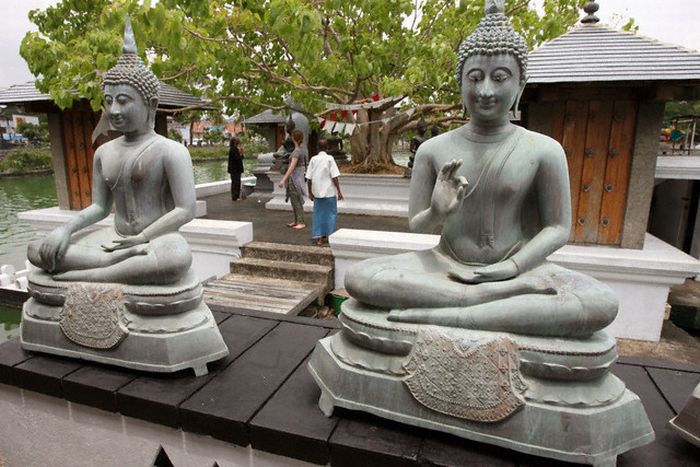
x=449, y=190
x=54, y=247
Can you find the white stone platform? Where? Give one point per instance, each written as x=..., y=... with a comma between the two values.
x=375, y=195
x=214, y=243
x=204, y=190
x=678, y=167
x=641, y=278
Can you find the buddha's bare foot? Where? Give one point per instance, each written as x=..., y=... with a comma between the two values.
x=443, y=316
x=80, y=275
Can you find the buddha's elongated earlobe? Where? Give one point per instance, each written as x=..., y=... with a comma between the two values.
x=514, y=110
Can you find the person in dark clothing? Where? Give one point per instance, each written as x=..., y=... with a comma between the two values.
x=235, y=168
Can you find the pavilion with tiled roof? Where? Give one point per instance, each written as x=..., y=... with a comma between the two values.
x=601, y=93
x=270, y=124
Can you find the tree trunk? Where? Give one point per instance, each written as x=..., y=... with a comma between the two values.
x=371, y=142
x=359, y=140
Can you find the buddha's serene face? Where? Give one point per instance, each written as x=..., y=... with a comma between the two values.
x=127, y=110
x=490, y=85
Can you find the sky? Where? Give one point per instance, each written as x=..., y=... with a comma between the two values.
x=672, y=21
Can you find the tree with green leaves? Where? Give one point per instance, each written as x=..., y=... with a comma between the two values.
x=175, y=135
x=247, y=55
x=213, y=135
x=35, y=134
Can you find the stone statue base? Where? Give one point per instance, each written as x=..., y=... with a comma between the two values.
x=687, y=422
x=150, y=328
x=543, y=396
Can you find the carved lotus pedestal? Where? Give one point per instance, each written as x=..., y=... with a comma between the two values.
x=150, y=328
x=544, y=396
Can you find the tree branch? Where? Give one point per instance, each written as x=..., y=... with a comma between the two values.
x=184, y=71
x=517, y=7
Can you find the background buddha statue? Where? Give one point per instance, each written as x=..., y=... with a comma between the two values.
x=499, y=195
x=148, y=180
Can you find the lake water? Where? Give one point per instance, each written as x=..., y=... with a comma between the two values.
x=9, y=323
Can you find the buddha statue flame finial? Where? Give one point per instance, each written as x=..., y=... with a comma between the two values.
x=129, y=46
x=131, y=70
x=494, y=6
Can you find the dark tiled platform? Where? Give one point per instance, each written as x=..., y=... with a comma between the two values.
x=263, y=395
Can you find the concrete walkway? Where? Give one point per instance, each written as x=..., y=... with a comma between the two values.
x=271, y=226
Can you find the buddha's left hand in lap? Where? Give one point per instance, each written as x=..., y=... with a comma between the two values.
x=126, y=242
x=494, y=272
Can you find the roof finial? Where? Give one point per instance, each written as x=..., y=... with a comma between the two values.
x=494, y=6
x=590, y=8
x=129, y=46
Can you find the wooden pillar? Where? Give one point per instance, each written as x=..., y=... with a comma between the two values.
x=161, y=124
x=58, y=160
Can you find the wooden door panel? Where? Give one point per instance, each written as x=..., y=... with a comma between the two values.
x=593, y=171
x=70, y=159
x=77, y=122
x=572, y=140
x=617, y=171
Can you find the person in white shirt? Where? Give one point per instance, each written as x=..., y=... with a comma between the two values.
x=324, y=190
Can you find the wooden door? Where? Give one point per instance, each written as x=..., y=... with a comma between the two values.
x=78, y=123
x=598, y=139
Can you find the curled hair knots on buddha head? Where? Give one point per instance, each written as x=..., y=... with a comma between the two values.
x=131, y=70
x=494, y=35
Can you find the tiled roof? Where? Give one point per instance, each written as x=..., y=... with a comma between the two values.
x=19, y=93
x=267, y=116
x=170, y=97
x=594, y=52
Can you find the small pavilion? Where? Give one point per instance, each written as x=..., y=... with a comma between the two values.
x=70, y=130
x=601, y=93
x=269, y=124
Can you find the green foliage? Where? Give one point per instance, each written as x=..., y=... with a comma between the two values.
x=679, y=108
x=253, y=53
x=35, y=134
x=25, y=160
x=213, y=135
x=175, y=135
x=252, y=144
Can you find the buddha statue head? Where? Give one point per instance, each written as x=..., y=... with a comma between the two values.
x=131, y=90
x=496, y=47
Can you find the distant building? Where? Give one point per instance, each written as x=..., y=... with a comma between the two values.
x=198, y=129
x=8, y=126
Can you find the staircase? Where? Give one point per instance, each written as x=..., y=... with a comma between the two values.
x=274, y=277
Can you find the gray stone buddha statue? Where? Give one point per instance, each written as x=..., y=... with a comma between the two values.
x=500, y=195
x=148, y=180
x=126, y=294
x=481, y=336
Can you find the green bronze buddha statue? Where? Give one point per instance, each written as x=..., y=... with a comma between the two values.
x=481, y=336
x=500, y=195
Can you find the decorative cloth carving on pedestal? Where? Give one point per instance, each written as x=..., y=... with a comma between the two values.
x=92, y=314
x=473, y=380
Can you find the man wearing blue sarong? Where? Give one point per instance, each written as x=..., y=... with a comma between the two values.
x=324, y=190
